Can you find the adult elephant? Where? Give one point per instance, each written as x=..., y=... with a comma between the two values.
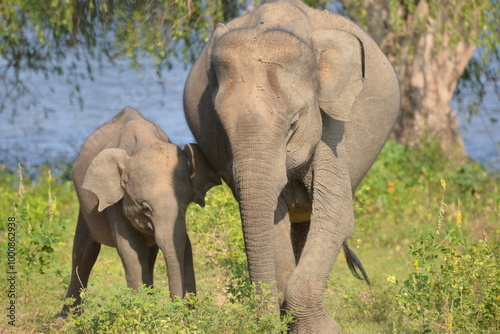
x=291, y=106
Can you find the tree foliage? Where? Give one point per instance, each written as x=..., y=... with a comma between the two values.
x=52, y=37
x=437, y=37
x=473, y=22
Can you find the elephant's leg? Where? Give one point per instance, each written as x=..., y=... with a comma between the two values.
x=152, y=253
x=298, y=235
x=85, y=252
x=189, y=278
x=132, y=248
x=332, y=221
x=283, y=251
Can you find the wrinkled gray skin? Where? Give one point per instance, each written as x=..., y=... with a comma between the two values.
x=291, y=106
x=134, y=187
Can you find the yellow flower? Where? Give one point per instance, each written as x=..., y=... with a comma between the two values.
x=415, y=264
x=390, y=279
x=459, y=218
x=443, y=183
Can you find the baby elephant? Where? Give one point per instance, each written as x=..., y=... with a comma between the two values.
x=134, y=187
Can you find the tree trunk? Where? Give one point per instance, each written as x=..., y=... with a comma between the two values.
x=428, y=65
x=427, y=86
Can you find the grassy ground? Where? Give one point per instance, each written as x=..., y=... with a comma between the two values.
x=427, y=232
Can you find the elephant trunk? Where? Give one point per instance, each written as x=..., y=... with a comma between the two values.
x=259, y=177
x=171, y=237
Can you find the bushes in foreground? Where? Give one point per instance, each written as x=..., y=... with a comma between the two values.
x=121, y=310
x=454, y=286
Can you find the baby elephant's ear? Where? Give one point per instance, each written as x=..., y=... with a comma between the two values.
x=201, y=173
x=103, y=176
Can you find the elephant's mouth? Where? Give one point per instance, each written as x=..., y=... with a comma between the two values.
x=143, y=225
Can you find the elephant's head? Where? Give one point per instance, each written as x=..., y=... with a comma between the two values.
x=155, y=186
x=272, y=92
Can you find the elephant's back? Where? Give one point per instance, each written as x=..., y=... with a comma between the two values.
x=284, y=15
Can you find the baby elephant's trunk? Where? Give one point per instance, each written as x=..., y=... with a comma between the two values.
x=173, y=241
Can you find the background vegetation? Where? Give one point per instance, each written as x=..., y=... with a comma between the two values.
x=427, y=227
x=427, y=232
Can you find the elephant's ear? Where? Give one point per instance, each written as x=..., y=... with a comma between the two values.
x=340, y=64
x=103, y=176
x=201, y=174
x=220, y=30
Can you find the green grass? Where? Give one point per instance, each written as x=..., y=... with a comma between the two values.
x=427, y=232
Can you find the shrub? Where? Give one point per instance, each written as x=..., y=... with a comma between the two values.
x=37, y=235
x=122, y=310
x=455, y=285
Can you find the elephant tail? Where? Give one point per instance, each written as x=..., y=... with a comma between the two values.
x=354, y=264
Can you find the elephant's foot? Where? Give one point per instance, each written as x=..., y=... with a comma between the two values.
x=323, y=324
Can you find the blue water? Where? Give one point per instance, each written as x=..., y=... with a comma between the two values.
x=31, y=138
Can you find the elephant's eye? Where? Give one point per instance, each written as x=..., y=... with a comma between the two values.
x=294, y=123
x=146, y=208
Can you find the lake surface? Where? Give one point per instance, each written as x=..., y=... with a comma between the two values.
x=31, y=138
